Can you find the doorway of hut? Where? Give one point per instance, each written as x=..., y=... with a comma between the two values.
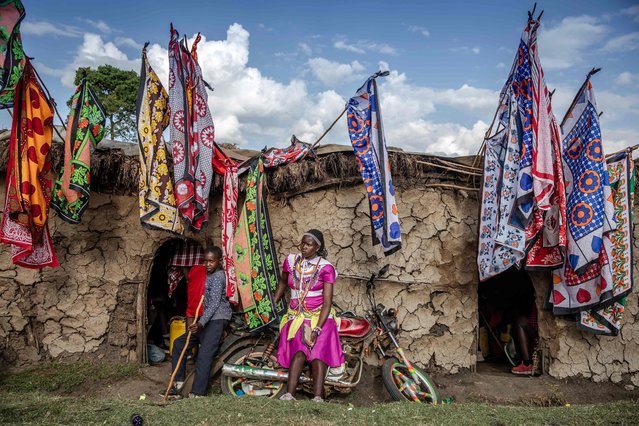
x=508, y=332
x=161, y=306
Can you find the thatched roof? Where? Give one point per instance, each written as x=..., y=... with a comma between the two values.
x=115, y=167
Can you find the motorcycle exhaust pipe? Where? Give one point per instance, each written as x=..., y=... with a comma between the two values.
x=256, y=373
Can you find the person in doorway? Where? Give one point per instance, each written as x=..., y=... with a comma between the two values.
x=525, y=332
x=207, y=331
x=308, y=332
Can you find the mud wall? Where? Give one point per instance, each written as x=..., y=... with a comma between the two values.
x=87, y=308
x=92, y=307
x=432, y=279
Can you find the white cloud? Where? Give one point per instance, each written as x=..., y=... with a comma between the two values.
x=407, y=109
x=419, y=30
x=467, y=49
x=501, y=65
x=306, y=49
x=264, y=27
x=633, y=12
x=99, y=25
x=623, y=43
x=626, y=78
x=363, y=46
x=562, y=45
x=128, y=42
x=333, y=73
x=42, y=28
x=95, y=52
x=349, y=47
x=618, y=139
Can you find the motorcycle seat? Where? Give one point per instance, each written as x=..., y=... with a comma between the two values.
x=353, y=327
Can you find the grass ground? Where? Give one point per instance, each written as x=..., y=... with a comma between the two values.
x=41, y=396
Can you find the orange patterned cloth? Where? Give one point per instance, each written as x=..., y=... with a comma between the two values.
x=29, y=176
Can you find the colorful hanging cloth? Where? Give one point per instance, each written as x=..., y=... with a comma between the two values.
x=521, y=82
x=85, y=128
x=589, y=208
x=255, y=258
x=296, y=151
x=502, y=237
x=364, y=119
x=229, y=224
x=192, y=132
x=156, y=197
x=546, y=230
x=188, y=253
x=29, y=177
x=12, y=56
x=607, y=320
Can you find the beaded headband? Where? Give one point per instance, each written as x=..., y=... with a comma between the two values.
x=308, y=234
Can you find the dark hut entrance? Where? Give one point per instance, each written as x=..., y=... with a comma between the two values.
x=160, y=308
x=507, y=322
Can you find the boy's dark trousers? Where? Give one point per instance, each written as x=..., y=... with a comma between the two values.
x=209, y=338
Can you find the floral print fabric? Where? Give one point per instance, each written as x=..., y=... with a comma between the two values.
x=156, y=197
x=85, y=129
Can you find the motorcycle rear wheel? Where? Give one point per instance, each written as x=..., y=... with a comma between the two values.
x=239, y=386
x=397, y=379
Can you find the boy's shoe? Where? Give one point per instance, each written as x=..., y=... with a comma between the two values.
x=523, y=370
x=318, y=399
x=173, y=393
x=192, y=395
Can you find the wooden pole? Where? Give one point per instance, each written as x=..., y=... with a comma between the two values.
x=186, y=345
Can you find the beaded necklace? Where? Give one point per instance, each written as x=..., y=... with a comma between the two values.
x=303, y=281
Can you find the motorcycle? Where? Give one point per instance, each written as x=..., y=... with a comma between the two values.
x=254, y=370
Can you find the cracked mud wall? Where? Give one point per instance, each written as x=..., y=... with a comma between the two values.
x=86, y=309
x=432, y=279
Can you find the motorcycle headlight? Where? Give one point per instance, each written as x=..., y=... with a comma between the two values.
x=392, y=325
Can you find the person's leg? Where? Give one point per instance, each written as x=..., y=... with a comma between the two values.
x=522, y=339
x=211, y=336
x=294, y=371
x=178, y=347
x=319, y=374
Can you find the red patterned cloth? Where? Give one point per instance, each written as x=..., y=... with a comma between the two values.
x=29, y=177
x=188, y=254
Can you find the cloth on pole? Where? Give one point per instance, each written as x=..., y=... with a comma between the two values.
x=589, y=208
x=29, y=176
x=229, y=224
x=546, y=230
x=366, y=132
x=502, y=237
x=156, y=197
x=85, y=128
x=12, y=55
x=607, y=320
x=296, y=151
x=256, y=262
x=192, y=133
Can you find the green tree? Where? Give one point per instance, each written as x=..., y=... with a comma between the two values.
x=117, y=90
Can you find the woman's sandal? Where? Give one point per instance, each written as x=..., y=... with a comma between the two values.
x=287, y=397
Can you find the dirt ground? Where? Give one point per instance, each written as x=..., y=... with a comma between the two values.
x=492, y=384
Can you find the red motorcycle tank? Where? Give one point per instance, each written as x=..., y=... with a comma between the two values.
x=353, y=327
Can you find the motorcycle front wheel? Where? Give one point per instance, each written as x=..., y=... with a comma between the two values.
x=239, y=386
x=402, y=386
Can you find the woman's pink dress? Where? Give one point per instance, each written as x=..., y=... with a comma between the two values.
x=328, y=347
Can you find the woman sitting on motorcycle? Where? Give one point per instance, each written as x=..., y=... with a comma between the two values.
x=308, y=332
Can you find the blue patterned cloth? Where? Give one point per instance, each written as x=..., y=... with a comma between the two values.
x=367, y=137
x=522, y=88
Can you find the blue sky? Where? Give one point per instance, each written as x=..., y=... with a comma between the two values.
x=280, y=68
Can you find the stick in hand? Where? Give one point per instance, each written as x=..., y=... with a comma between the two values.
x=186, y=345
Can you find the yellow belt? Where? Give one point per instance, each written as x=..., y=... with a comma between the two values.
x=297, y=319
